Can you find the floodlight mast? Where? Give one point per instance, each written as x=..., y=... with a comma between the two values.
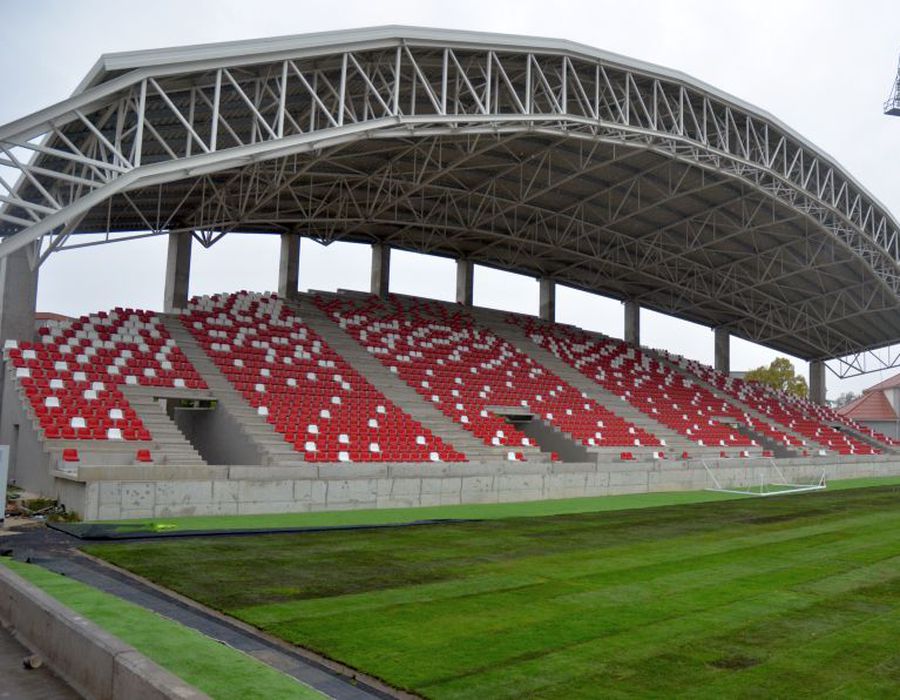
x=892, y=106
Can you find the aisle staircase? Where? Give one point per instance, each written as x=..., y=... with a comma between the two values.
x=272, y=448
x=400, y=392
x=171, y=446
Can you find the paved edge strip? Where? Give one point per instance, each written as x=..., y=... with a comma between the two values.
x=339, y=681
x=93, y=662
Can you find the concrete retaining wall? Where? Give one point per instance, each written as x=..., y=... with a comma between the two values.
x=107, y=493
x=92, y=661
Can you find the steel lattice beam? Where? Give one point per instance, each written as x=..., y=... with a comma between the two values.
x=536, y=155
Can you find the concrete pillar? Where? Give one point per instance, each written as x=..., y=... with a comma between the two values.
x=632, y=323
x=18, y=299
x=547, y=299
x=722, y=350
x=817, y=388
x=381, y=269
x=465, y=282
x=289, y=266
x=178, y=271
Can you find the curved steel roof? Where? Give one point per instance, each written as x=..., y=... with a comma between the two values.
x=539, y=156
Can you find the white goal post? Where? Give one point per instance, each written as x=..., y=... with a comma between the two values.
x=767, y=480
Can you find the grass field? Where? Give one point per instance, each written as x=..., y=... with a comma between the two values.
x=791, y=596
x=218, y=670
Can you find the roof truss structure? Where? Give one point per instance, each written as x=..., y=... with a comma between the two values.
x=537, y=156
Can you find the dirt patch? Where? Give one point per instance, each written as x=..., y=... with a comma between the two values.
x=785, y=517
x=735, y=663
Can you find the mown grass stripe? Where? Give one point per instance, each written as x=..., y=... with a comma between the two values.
x=731, y=598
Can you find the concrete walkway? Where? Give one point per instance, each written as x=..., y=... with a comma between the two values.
x=17, y=683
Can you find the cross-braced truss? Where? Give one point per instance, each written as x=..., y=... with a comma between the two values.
x=537, y=156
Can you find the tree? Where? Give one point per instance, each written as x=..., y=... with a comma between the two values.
x=780, y=375
x=844, y=399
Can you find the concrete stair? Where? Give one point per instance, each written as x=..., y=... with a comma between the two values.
x=272, y=447
x=867, y=439
x=172, y=447
x=740, y=405
x=167, y=445
x=400, y=393
x=675, y=442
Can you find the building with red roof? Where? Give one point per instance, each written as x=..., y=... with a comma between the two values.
x=878, y=407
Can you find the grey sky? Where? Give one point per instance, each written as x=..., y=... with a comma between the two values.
x=824, y=68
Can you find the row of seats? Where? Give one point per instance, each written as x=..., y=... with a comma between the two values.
x=305, y=390
x=471, y=375
x=653, y=388
x=72, y=376
x=806, y=418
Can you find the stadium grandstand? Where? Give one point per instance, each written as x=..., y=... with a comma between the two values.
x=536, y=156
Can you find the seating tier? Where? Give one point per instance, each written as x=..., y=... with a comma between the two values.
x=653, y=388
x=73, y=375
x=800, y=415
x=473, y=376
x=305, y=390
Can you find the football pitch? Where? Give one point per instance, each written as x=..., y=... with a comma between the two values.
x=786, y=596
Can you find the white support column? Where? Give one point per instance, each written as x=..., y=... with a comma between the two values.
x=547, y=299
x=817, y=388
x=465, y=282
x=632, y=323
x=289, y=266
x=381, y=269
x=722, y=350
x=178, y=271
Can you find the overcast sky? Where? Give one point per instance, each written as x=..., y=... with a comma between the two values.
x=824, y=68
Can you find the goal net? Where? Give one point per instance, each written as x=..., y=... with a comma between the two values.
x=761, y=480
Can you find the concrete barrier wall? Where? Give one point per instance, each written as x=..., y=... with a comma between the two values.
x=128, y=492
x=218, y=436
x=29, y=463
x=92, y=661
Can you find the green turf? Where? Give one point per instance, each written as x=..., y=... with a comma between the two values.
x=219, y=671
x=790, y=596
